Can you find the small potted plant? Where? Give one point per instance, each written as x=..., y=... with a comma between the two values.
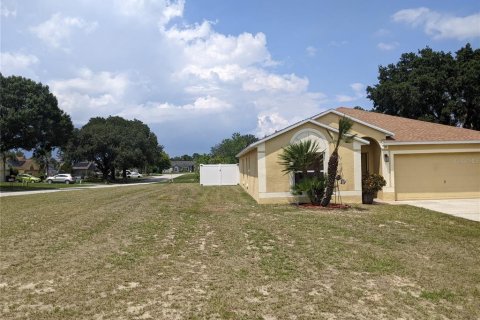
x=371, y=184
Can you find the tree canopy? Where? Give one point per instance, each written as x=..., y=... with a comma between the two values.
x=225, y=151
x=115, y=142
x=30, y=117
x=432, y=86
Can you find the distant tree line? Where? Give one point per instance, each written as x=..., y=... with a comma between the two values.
x=223, y=152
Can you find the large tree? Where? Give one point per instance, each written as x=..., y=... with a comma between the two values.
x=431, y=86
x=30, y=118
x=113, y=143
x=225, y=151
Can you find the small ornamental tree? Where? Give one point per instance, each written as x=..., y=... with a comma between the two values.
x=344, y=126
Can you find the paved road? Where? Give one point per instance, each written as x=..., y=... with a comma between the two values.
x=463, y=208
x=147, y=180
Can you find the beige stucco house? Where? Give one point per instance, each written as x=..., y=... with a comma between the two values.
x=419, y=160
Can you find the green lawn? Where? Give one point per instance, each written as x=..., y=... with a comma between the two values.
x=187, y=178
x=17, y=186
x=182, y=251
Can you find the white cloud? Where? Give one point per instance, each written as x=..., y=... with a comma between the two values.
x=190, y=33
x=6, y=12
x=440, y=25
x=259, y=81
x=208, y=103
x=311, y=51
x=16, y=63
x=358, y=90
x=217, y=49
x=387, y=46
x=161, y=112
x=268, y=124
x=172, y=10
x=160, y=11
x=58, y=29
x=91, y=93
x=357, y=87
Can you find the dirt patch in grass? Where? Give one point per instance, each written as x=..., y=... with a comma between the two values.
x=181, y=251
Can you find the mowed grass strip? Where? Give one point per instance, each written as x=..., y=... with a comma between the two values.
x=182, y=251
x=18, y=186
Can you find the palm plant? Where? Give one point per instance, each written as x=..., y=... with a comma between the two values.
x=300, y=157
x=344, y=126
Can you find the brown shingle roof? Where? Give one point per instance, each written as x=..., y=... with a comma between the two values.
x=409, y=130
x=24, y=164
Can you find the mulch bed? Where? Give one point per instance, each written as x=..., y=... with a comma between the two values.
x=331, y=206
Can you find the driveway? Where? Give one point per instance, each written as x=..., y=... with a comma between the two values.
x=463, y=208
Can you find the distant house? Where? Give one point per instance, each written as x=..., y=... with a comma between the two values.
x=182, y=166
x=84, y=169
x=23, y=165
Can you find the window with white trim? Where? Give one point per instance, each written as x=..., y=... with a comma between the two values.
x=315, y=170
x=319, y=167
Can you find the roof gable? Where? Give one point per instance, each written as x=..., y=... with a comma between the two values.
x=289, y=128
x=182, y=163
x=84, y=165
x=378, y=128
x=23, y=164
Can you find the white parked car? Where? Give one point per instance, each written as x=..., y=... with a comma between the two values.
x=61, y=178
x=131, y=174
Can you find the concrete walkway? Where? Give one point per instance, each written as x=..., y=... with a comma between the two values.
x=147, y=180
x=463, y=208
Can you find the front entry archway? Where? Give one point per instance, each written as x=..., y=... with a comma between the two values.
x=371, y=157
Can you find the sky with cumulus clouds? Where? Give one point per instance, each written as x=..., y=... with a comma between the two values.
x=197, y=71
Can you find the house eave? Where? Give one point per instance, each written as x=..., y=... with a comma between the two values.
x=406, y=143
x=276, y=134
x=388, y=133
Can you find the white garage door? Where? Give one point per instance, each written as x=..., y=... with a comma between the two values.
x=437, y=175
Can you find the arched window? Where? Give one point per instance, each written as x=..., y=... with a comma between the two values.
x=320, y=166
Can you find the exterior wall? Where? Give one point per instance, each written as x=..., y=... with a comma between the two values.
x=456, y=151
x=278, y=184
x=248, y=166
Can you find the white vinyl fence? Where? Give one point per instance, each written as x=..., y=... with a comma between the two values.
x=219, y=174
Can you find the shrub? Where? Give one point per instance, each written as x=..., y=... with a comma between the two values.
x=373, y=183
x=314, y=188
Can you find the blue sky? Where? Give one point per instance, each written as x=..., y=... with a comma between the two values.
x=197, y=71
